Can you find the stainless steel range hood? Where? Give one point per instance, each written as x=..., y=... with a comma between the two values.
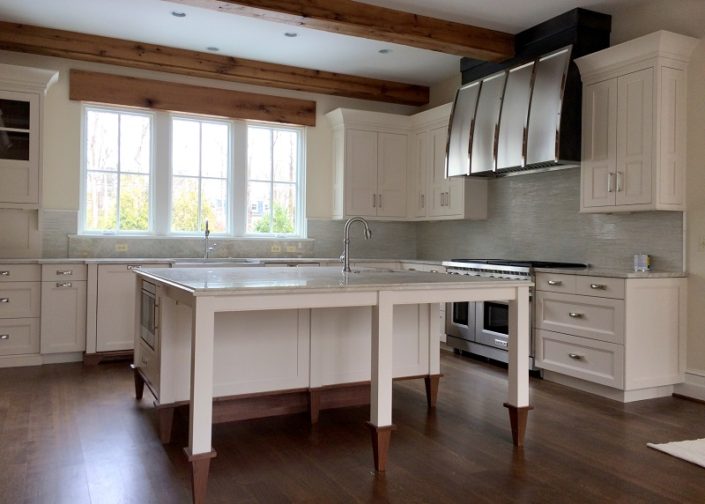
x=511, y=120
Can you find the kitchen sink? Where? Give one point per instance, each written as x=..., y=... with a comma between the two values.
x=219, y=262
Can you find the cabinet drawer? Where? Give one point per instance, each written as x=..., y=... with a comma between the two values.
x=590, y=360
x=551, y=282
x=20, y=273
x=63, y=272
x=19, y=299
x=19, y=336
x=147, y=361
x=597, y=318
x=600, y=286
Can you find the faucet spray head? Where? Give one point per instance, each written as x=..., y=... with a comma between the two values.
x=208, y=231
x=368, y=233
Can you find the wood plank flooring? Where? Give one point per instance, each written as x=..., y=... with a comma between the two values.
x=75, y=434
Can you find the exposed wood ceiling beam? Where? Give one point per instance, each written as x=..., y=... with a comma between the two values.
x=160, y=95
x=379, y=23
x=80, y=46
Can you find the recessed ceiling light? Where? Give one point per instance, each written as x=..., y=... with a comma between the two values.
x=384, y=51
x=178, y=14
x=291, y=34
x=212, y=49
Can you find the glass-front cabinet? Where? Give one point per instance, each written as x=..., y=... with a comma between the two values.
x=19, y=147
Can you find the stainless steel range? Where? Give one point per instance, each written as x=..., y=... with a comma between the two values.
x=482, y=328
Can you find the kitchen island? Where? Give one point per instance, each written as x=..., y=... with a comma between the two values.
x=206, y=295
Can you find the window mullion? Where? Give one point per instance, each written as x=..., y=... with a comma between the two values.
x=119, y=163
x=161, y=163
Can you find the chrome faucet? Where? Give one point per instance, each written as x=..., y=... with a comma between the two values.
x=207, y=249
x=345, y=257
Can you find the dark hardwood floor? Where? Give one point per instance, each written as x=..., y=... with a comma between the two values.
x=75, y=434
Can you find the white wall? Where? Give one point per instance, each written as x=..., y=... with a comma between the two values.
x=61, y=139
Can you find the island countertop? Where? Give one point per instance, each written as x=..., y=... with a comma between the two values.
x=233, y=281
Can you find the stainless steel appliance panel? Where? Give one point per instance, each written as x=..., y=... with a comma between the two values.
x=492, y=324
x=460, y=320
x=460, y=130
x=486, y=129
x=511, y=145
x=148, y=314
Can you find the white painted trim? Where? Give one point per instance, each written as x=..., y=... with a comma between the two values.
x=693, y=386
x=8, y=361
x=22, y=78
x=609, y=392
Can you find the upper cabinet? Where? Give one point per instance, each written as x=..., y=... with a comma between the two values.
x=21, y=93
x=634, y=125
x=370, y=152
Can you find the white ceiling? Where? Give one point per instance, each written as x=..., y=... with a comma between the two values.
x=151, y=21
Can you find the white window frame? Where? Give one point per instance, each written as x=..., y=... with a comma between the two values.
x=161, y=175
x=300, y=183
x=83, y=186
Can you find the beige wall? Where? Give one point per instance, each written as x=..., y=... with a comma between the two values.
x=686, y=17
x=61, y=140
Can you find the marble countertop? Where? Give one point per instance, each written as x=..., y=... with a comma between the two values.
x=613, y=273
x=230, y=281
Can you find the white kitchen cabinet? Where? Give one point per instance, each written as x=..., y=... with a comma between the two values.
x=432, y=195
x=634, y=125
x=63, y=311
x=115, y=307
x=370, y=153
x=20, y=294
x=621, y=338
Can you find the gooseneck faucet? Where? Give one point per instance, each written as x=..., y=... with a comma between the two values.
x=345, y=258
x=206, y=248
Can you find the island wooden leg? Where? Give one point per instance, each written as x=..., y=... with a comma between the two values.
x=200, y=465
x=518, y=376
x=431, y=382
x=166, y=423
x=381, y=437
x=139, y=382
x=381, y=384
x=314, y=404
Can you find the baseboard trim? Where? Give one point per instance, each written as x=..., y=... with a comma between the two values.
x=8, y=361
x=624, y=396
x=693, y=387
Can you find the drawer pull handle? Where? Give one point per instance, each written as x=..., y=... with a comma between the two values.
x=575, y=315
x=4, y=337
x=575, y=356
x=4, y=273
x=555, y=282
x=4, y=300
x=598, y=286
x=64, y=273
x=132, y=267
x=63, y=284
x=501, y=343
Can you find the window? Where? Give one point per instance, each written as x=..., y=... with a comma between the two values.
x=272, y=180
x=168, y=174
x=200, y=159
x=118, y=169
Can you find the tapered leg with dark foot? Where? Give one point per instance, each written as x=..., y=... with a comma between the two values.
x=166, y=422
x=517, y=418
x=431, y=382
x=200, y=465
x=314, y=404
x=380, y=444
x=139, y=383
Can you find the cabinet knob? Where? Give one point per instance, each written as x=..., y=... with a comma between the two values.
x=575, y=315
x=555, y=282
x=598, y=286
x=575, y=356
x=4, y=336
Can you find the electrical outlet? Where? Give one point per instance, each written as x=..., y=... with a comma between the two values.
x=121, y=247
x=290, y=248
x=276, y=248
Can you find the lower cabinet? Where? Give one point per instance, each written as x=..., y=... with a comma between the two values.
x=63, y=313
x=20, y=294
x=625, y=334
x=115, y=306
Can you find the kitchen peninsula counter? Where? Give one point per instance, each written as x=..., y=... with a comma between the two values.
x=208, y=298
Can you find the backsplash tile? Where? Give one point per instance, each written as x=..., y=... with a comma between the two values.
x=390, y=240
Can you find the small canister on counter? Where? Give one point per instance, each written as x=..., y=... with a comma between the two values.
x=642, y=262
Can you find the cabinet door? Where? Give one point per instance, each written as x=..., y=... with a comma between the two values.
x=634, y=138
x=361, y=173
x=391, y=175
x=419, y=176
x=19, y=148
x=599, y=144
x=63, y=316
x=438, y=183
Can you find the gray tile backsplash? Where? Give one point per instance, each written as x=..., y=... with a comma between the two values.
x=531, y=216
x=536, y=216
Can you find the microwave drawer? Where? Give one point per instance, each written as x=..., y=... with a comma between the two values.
x=147, y=362
x=590, y=317
x=555, y=282
x=590, y=360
